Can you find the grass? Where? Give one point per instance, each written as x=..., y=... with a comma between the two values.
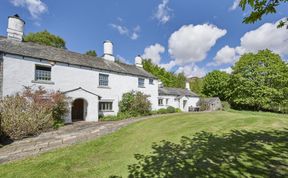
x=112, y=154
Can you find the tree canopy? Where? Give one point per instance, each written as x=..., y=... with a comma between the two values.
x=215, y=84
x=196, y=85
x=261, y=8
x=91, y=53
x=45, y=38
x=259, y=81
x=168, y=79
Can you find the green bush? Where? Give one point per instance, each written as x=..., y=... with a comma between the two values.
x=162, y=111
x=31, y=112
x=225, y=106
x=178, y=110
x=171, y=109
x=135, y=104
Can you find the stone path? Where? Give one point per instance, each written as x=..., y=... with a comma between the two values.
x=67, y=135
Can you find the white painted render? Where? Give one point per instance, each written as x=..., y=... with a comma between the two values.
x=15, y=28
x=19, y=72
x=177, y=102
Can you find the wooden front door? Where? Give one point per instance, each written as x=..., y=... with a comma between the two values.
x=78, y=110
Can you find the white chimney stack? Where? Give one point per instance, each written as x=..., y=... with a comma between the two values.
x=187, y=86
x=108, y=51
x=15, y=30
x=138, y=61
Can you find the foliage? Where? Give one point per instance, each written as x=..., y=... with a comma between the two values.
x=171, y=109
x=203, y=106
x=119, y=116
x=196, y=85
x=215, y=83
x=31, y=112
x=168, y=79
x=135, y=104
x=225, y=106
x=261, y=8
x=259, y=81
x=91, y=53
x=45, y=38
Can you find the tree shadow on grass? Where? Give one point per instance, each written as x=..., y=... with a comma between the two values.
x=236, y=154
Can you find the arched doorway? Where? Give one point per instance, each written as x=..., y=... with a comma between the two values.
x=78, y=110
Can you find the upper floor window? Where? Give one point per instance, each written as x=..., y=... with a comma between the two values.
x=141, y=82
x=151, y=81
x=42, y=73
x=103, y=80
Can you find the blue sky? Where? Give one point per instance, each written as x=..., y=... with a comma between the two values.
x=187, y=36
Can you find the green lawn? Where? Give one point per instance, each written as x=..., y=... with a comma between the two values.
x=245, y=144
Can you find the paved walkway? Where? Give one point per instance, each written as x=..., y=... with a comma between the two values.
x=67, y=135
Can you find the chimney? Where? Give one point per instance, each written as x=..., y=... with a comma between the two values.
x=138, y=61
x=108, y=51
x=15, y=30
x=187, y=86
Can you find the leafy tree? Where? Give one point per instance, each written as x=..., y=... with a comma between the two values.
x=46, y=38
x=91, y=53
x=196, y=85
x=215, y=84
x=168, y=79
x=259, y=81
x=260, y=8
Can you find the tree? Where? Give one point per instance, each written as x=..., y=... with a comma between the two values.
x=168, y=79
x=46, y=38
x=215, y=84
x=196, y=85
x=259, y=81
x=261, y=8
x=91, y=53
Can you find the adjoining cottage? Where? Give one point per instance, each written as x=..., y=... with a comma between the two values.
x=211, y=104
x=177, y=98
x=95, y=85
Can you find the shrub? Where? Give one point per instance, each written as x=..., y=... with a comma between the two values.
x=162, y=111
x=171, y=109
x=178, y=110
x=31, y=112
x=225, y=106
x=203, y=105
x=135, y=104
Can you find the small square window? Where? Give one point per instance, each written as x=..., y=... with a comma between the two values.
x=105, y=106
x=160, y=102
x=141, y=82
x=151, y=81
x=103, y=80
x=42, y=73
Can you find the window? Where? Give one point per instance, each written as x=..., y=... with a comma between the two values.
x=160, y=102
x=167, y=100
x=151, y=81
x=141, y=82
x=105, y=106
x=103, y=80
x=42, y=73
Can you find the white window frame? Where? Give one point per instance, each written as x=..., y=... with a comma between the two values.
x=160, y=103
x=102, y=81
x=105, y=106
x=151, y=81
x=140, y=83
x=42, y=75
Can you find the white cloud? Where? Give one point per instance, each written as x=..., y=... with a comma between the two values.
x=191, y=43
x=35, y=7
x=169, y=65
x=267, y=36
x=228, y=70
x=226, y=55
x=163, y=13
x=235, y=5
x=192, y=71
x=153, y=52
x=122, y=30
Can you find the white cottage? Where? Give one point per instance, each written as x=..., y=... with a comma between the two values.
x=95, y=85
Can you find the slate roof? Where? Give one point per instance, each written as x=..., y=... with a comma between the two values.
x=176, y=92
x=211, y=100
x=34, y=50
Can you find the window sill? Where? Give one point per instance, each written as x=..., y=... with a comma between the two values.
x=141, y=87
x=43, y=82
x=105, y=87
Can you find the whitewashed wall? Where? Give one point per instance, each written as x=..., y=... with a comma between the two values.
x=19, y=72
x=172, y=101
